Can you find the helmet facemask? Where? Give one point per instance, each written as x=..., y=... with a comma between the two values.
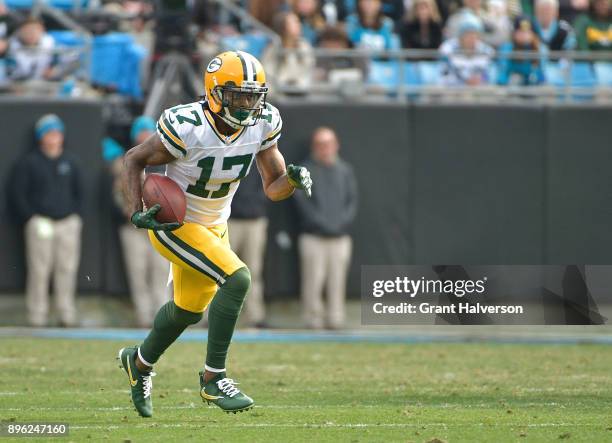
x=241, y=105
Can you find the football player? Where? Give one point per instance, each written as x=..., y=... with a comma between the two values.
x=208, y=147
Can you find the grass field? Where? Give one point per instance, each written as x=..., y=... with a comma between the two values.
x=321, y=392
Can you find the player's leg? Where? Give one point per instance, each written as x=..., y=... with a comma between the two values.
x=207, y=251
x=201, y=260
x=191, y=295
x=169, y=323
x=222, y=318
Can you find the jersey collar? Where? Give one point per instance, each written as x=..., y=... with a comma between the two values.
x=226, y=139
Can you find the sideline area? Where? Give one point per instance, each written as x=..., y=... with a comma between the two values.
x=437, y=334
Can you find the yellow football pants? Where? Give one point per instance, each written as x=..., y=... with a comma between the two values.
x=201, y=261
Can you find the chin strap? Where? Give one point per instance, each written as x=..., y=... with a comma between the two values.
x=228, y=121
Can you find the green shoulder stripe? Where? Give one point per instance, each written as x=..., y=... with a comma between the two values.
x=272, y=137
x=170, y=128
x=169, y=140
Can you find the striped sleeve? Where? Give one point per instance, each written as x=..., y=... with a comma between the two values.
x=273, y=126
x=170, y=136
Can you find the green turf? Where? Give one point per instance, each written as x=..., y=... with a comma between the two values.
x=321, y=392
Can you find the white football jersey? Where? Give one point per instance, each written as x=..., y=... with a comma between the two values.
x=210, y=165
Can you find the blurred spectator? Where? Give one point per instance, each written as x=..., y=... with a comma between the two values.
x=521, y=72
x=423, y=29
x=514, y=8
x=324, y=243
x=594, y=30
x=141, y=27
x=291, y=64
x=146, y=271
x=497, y=22
x=496, y=26
x=394, y=9
x=334, y=11
x=48, y=199
x=7, y=26
x=311, y=18
x=554, y=34
x=466, y=59
x=248, y=231
x=570, y=9
x=265, y=10
x=31, y=52
x=104, y=20
x=448, y=7
x=369, y=28
x=139, y=23
x=339, y=69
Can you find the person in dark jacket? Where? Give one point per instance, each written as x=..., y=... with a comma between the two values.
x=48, y=195
x=248, y=226
x=423, y=29
x=324, y=243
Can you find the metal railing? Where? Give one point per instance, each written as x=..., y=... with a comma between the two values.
x=402, y=90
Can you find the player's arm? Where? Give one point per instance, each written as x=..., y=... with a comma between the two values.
x=279, y=181
x=151, y=152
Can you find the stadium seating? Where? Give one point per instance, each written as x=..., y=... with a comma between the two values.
x=603, y=73
x=429, y=72
x=580, y=74
x=384, y=74
x=388, y=74
x=554, y=74
x=115, y=60
x=60, y=4
x=67, y=38
x=493, y=73
x=252, y=43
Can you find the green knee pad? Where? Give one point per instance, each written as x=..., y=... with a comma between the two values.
x=230, y=297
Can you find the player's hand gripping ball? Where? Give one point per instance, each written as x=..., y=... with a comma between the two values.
x=299, y=177
x=165, y=202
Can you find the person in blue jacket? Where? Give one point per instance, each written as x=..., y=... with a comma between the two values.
x=523, y=72
x=369, y=28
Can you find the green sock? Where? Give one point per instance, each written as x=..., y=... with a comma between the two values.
x=223, y=315
x=169, y=323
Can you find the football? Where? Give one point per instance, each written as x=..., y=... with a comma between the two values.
x=159, y=189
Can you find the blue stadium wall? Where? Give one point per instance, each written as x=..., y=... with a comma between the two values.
x=439, y=184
